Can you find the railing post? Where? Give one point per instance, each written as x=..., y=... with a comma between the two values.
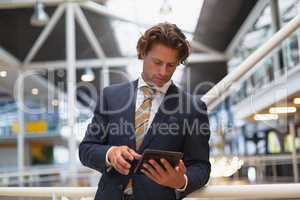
x=294, y=150
x=53, y=196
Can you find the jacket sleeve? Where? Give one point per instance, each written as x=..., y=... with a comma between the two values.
x=196, y=150
x=93, y=148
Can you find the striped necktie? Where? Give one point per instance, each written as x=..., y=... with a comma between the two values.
x=142, y=115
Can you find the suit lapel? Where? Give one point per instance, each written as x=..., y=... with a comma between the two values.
x=160, y=117
x=130, y=112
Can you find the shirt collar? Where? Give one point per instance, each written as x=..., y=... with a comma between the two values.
x=162, y=89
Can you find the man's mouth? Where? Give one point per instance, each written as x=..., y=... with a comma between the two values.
x=160, y=79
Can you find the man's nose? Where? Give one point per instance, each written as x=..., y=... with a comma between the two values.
x=163, y=69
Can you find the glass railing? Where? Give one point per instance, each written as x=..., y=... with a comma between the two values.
x=288, y=55
x=267, y=74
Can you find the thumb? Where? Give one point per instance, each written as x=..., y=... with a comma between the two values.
x=135, y=155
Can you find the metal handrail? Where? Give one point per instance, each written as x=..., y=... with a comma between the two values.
x=54, y=192
x=42, y=170
x=224, y=88
x=263, y=191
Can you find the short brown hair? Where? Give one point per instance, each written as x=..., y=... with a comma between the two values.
x=167, y=34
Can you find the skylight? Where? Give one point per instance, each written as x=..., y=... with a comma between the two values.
x=183, y=13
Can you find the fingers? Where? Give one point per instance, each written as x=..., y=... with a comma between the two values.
x=165, y=175
x=181, y=167
x=167, y=165
x=121, y=165
x=149, y=175
x=158, y=168
x=121, y=170
x=130, y=153
x=120, y=157
x=150, y=169
x=135, y=155
x=181, y=164
x=127, y=155
x=121, y=161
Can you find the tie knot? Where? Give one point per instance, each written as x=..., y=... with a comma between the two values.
x=148, y=92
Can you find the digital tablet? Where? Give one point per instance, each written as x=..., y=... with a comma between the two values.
x=173, y=157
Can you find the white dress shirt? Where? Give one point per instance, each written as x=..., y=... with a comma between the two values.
x=159, y=95
x=156, y=101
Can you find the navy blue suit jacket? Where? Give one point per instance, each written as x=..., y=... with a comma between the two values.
x=181, y=124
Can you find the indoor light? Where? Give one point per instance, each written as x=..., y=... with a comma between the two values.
x=165, y=8
x=35, y=91
x=281, y=110
x=296, y=100
x=3, y=73
x=88, y=76
x=265, y=117
x=39, y=17
x=251, y=174
x=55, y=102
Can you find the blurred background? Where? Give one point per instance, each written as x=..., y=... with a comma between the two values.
x=56, y=55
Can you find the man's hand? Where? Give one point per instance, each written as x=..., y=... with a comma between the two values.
x=170, y=177
x=118, y=156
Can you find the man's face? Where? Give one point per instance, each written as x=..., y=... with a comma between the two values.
x=159, y=64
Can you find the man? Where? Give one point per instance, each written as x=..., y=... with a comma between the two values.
x=153, y=113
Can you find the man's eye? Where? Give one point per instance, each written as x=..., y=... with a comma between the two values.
x=157, y=62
